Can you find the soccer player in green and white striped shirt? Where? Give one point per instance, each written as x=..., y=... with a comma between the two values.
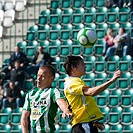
x=41, y=104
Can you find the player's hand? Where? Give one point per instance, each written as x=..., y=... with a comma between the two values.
x=99, y=125
x=117, y=74
x=67, y=113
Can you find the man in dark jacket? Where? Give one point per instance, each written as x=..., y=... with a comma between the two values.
x=41, y=58
x=12, y=96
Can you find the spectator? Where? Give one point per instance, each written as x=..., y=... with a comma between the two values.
x=17, y=55
x=18, y=75
x=108, y=41
x=12, y=96
x=121, y=42
x=41, y=58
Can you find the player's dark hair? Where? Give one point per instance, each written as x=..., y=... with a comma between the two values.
x=50, y=68
x=71, y=61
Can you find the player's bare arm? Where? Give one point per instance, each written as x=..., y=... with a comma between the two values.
x=63, y=106
x=98, y=89
x=24, y=121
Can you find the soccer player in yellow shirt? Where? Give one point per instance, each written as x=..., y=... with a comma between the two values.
x=86, y=113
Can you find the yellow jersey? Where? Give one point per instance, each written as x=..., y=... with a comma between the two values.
x=84, y=108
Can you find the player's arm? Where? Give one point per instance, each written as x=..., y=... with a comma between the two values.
x=63, y=106
x=98, y=89
x=24, y=121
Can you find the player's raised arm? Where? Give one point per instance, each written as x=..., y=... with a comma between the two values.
x=98, y=89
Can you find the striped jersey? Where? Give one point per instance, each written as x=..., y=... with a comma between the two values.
x=43, y=107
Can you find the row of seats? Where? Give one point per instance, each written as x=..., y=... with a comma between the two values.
x=98, y=16
x=17, y=5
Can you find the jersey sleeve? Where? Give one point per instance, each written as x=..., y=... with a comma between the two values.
x=26, y=105
x=56, y=94
x=76, y=86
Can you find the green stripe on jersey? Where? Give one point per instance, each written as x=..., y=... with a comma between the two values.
x=43, y=107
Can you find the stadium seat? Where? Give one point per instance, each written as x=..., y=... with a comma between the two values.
x=42, y=20
x=115, y=98
x=34, y=28
x=65, y=4
x=90, y=25
x=77, y=50
x=115, y=115
x=102, y=98
x=88, y=4
x=63, y=121
x=106, y=129
x=101, y=15
x=127, y=128
x=112, y=64
x=116, y=128
x=102, y=26
x=126, y=118
x=77, y=19
x=42, y=35
x=98, y=50
x=89, y=79
x=28, y=85
x=67, y=27
x=53, y=51
x=54, y=19
x=76, y=4
x=9, y=5
x=54, y=4
x=30, y=36
x=16, y=129
x=56, y=63
x=15, y=118
x=22, y=45
x=54, y=35
x=61, y=82
x=74, y=34
x=87, y=51
x=99, y=3
x=66, y=19
x=65, y=35
x=126, y=99
x=100, y=65
x=124, y=63
x=124, y=15
x=5, y=128
x=20, y=5
x=105, y=111
x=65, y=49
x=8, y=19
x=112, y=15
x=123, y=81
x=100, y=33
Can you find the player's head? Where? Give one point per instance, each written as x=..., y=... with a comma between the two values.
x=74, y=66
x=45, y=76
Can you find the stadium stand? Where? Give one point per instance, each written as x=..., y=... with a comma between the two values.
x=54, y=24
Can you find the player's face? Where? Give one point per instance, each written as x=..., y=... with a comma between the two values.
x=81, y=69
x=44, y=80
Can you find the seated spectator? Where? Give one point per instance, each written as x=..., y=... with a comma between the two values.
x=41, y=58
x=108, y=41
x=12, y=96
x=121, y=44
x=17, y=55
x=18, y=75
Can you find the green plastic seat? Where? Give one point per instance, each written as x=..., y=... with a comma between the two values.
x=77, y=19
x=124, y=15
x=66, y=4
x=28, y=85
x=66, y=19
x=66, y=128
x=98, y=50
x=112, y=15
x=57, y=127
x=42, y=35
x=54, y=35
x=31, y=36
x=16, y=129
x=126, y=118
x=34, y=28
x=5, y=128
x=115, y=115
x=74, y=34
x=76, y=4
x=127, y=128
x=99, y=3
x=43, y=19
x=15, y=118
x=88, y=4
x=54, y=4
x=54, y=19
x=65, y=35
x=116, y=128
